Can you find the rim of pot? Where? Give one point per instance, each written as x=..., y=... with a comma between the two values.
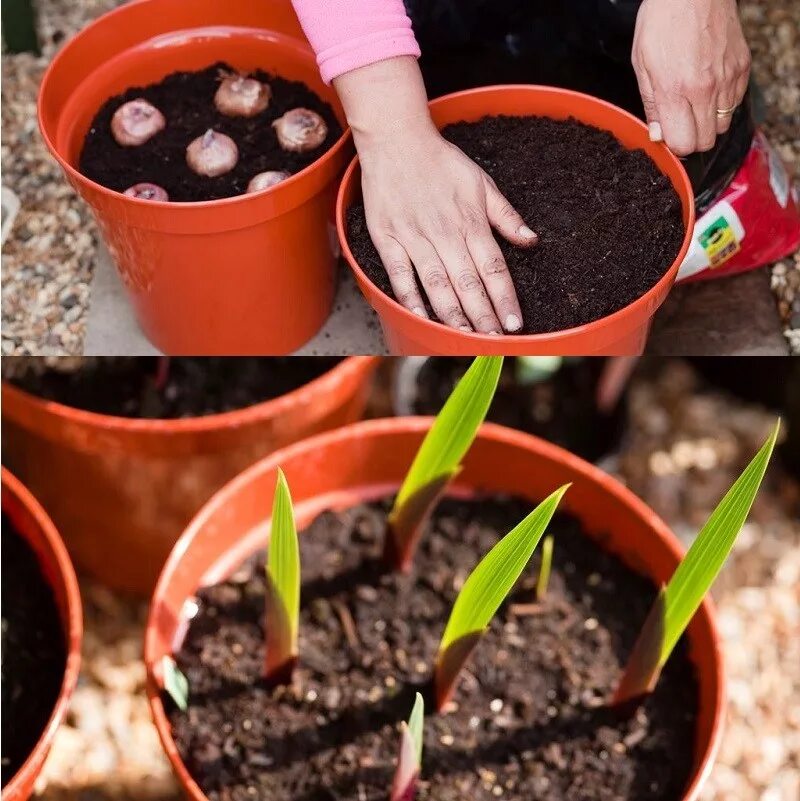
x=72, y=628
x=434, y=326
x=350, y=365
x=417, y=426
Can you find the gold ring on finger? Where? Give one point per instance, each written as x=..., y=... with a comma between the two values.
x=725, y=112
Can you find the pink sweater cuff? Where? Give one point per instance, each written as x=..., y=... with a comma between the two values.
x=348, y=34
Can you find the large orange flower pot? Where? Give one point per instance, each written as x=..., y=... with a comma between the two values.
x=121, y=490
x=620, y=334
x=246, y=275
x=368, y=460
x=33, y=524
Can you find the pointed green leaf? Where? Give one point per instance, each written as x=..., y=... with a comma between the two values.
x=409, y=763
x=484, y=591
x=439, y=457
x=176, y=685
x=283, y=587
x=677, y=604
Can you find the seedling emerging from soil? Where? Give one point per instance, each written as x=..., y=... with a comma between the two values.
x=438, y=459
x=264, y=180
x=484, y=591
x=283, y=589
x=409, y=764
x=147, y=191
x=678, y=601
x=300, y=130
x=135, y=122
x=546, y=567
x=212, y=154
x=176, y=684
x=240, y=96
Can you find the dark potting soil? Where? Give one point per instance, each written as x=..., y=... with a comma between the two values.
x=609, y=223
x=186, y=99
x=530, y=716
x=34, y=652
x=190, y=386
x=560, y=408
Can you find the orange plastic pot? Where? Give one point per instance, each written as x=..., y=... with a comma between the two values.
x=368, y=460
x=246, y=275
x=35, y=527
x=121, y=490
x=620, y=334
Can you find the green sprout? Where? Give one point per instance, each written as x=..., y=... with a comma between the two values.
x=677, y=603
x=484, y=591
x=409, y=763
x=283, y=589
x=546, y=567
x=176, y=685
x=438, y=459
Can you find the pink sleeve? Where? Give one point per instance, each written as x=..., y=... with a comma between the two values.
x=347, y=34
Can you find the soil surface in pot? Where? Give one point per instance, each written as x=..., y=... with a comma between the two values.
x=609, y=222
x=560, y=408
x=529, y=717
x=186, y=99
x=34, y=652
x=161, y=388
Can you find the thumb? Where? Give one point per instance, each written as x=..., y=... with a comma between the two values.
x=505, y=219
x=649, y=103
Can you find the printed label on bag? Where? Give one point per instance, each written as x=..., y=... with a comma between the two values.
x=718, y=236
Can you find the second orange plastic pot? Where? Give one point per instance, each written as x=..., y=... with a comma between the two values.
x=121, y=490
x=35, y=527
x=368, y=460
x=620, y=334
x=247, y=275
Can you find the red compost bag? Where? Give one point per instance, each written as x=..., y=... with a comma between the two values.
x=754, y=221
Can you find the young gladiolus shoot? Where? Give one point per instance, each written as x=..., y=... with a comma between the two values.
x=283, y=589
x=677, y=603
x=438, y=459
x=409, y=763
x=545, y=568
x=176, y=684
x=483, y=593
x=300, y=130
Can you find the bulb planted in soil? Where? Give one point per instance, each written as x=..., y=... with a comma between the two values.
x=212, y=154
x=300, y=130
x=147, y=191
x=240, y=96
x=264, y=180
x=136, y=122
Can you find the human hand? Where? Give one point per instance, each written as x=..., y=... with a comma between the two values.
x=692, y=64
x=430, y=210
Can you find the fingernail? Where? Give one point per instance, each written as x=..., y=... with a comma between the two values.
x=494, y=333
x=418, y=310
x=513, y=323
x=654, y=129
x=523, y=230
x=464, y=328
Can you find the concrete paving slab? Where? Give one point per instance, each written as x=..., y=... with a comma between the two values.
x=734, y=316
x=112, y=330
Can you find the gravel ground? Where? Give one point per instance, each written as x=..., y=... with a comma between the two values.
x=682, y=451
x=50, y=255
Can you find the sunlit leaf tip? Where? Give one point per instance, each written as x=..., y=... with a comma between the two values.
x=484, y=591
x=409, y=763
x=677, y=603
x=283, y=588
x=176, y=685
x=439, y=457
